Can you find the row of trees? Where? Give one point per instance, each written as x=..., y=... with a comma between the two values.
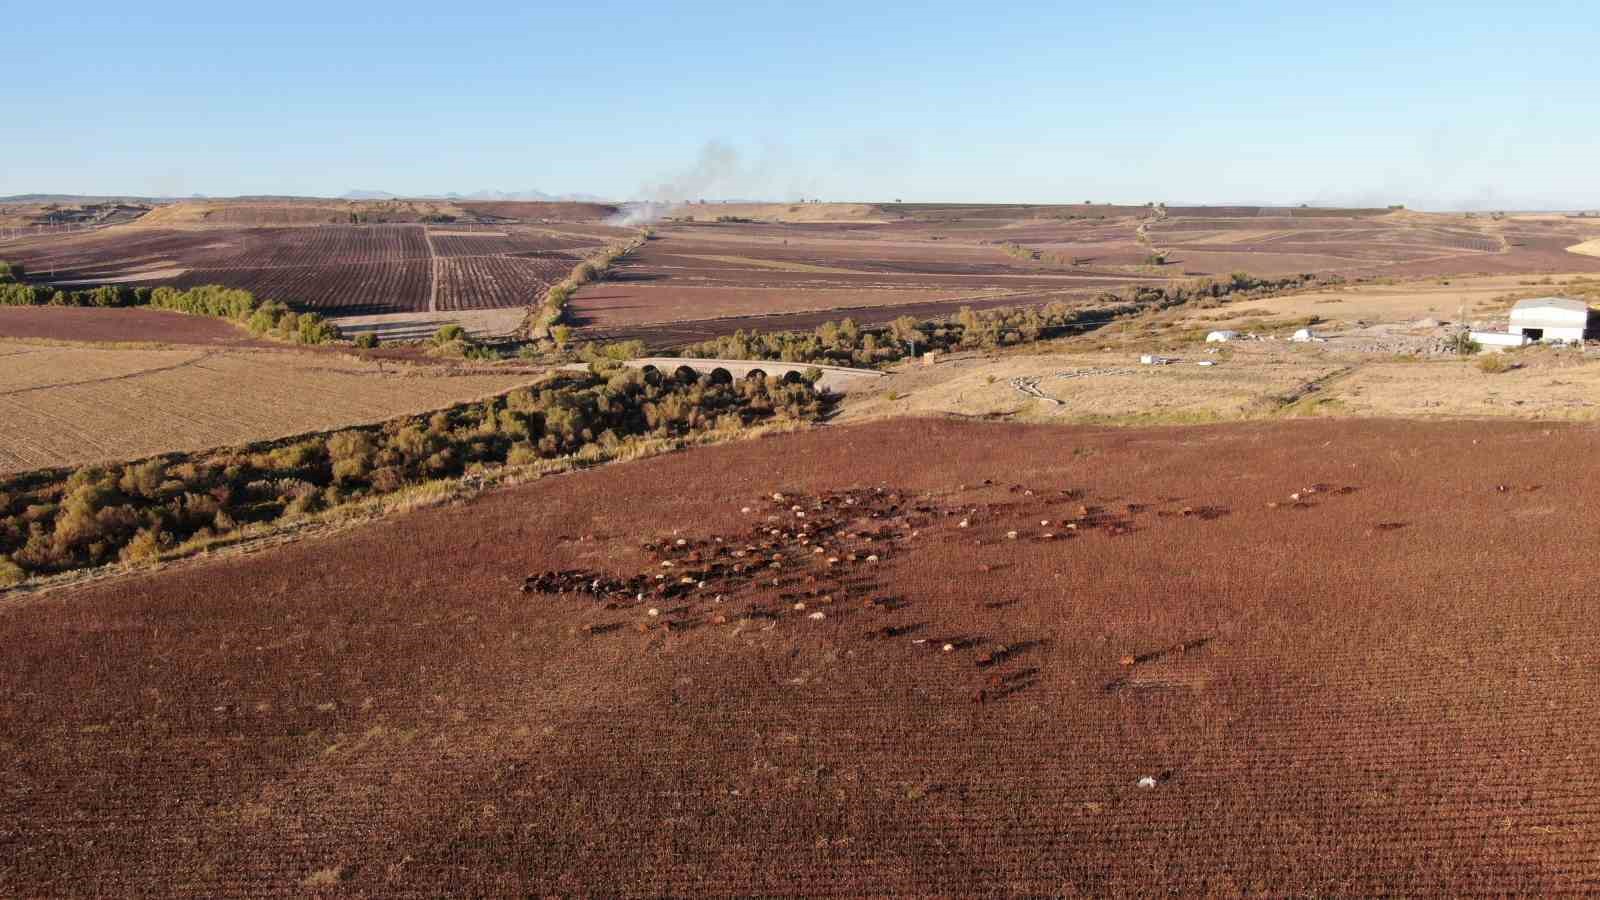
x=850, y=344
x=545, y=324
x=268, y=318
x=98, y=514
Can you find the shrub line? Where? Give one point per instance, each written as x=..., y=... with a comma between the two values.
x=546, y=322
x=54, y=521
x=265, y=318
x=848, y=343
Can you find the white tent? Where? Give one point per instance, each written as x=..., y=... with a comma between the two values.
x=1550, y=319
x=1221, y=337
x=1304, y=336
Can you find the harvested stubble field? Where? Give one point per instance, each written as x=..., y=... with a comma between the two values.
x=1330, y=647
x=1093, y=387
x=65, y=405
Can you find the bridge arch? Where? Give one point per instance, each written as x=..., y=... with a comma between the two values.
x=834, y=379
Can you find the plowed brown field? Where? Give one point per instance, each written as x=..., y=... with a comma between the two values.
x=1349, y=657
x=69, y=323
x=335, y=269
x=789, y=267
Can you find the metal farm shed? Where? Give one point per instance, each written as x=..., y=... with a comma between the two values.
x=1550, y=319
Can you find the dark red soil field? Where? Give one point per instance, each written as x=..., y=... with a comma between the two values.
x=450, y=243
x=533, y=210
x=1368, y=245
x=66, y=323
x=614, y=315
x=498, y=282
x=705, y=278
x=355, y=289
x=334, y=269
x=698, y=281
x=1304, y=657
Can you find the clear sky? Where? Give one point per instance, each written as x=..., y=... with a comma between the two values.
x=1432, y=104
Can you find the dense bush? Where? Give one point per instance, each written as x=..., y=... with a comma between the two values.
x=848, y=343
x=134, y=512
x=1495, y=363
x=207, y=300
x=13, y=294
x=17, y=293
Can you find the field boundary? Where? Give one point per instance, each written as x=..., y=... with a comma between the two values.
x=433, y=271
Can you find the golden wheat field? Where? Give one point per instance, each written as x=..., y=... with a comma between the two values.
x=64, y=405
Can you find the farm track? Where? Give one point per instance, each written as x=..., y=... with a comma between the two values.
x=433, y=273
x=109, y=378
x=1353, y=710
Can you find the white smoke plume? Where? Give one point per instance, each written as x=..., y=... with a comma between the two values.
x=719, y=171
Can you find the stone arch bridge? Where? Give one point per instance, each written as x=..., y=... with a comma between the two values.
x=837, y=379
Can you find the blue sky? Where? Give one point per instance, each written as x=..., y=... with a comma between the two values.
x=1432, y=104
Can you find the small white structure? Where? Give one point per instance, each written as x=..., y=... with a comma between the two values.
x=1550, y=319
x=1498, y=340
x=1222, y=337
x=1151, y=359
x=1304, y=336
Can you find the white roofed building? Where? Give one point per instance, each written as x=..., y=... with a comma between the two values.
x=1550, y=319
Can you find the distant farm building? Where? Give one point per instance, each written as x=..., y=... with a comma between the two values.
x=1555, y=319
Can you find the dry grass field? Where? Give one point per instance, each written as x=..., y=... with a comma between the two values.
x=1291, y=658
x=1380, y=352
x=1250, y=383
x=65, y=405
x=1452, y=299
x=1091, y=387
x=1587, y=248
